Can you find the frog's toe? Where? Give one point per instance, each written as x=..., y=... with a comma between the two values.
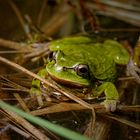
x=36, y=93
x=110, y=105
x=39, y=100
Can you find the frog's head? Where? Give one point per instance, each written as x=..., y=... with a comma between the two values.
x=68, y=69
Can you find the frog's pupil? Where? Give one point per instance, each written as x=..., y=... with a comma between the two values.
x=82, y=70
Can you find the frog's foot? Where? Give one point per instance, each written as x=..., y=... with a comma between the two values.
x=133, y=70
x=110, y=105
x=37, y=94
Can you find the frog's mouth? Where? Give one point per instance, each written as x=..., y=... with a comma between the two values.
x=74, y=76
x=68, y=82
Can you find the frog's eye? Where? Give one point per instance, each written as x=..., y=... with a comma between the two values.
x=82, y=70
x=52, y=56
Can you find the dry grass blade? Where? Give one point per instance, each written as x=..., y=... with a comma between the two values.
x=42, y=48
x=117, y=12
x=11, y=85
x=42, y=10
x=21, y=102
x=133, y=108
x=62, y=107
x=26, y=125
x=58, y=108
x=16, y=129
x=123, y=121
x=19, y=16
x=49, y=27
x=122, y=4
x=14, y=45
x=14, y=52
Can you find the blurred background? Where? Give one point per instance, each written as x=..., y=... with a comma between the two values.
x=57, y=18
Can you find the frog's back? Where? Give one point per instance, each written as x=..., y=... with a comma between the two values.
x=104, y=57
x=102, y=66
x=94, y=55
x=85, y=44
x=116, y=51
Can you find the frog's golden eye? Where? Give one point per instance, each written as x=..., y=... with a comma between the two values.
x=52, y=56
x=82, y=70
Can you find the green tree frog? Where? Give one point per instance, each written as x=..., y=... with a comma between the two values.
x=80, y=63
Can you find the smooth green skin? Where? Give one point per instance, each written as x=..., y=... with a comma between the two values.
x=100, y=57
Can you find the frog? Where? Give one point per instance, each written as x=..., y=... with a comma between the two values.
x=80, y=62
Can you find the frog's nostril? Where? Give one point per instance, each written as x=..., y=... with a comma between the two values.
x=64, y=68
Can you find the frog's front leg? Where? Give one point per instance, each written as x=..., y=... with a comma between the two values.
x=111, y=94
x=36, y=87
